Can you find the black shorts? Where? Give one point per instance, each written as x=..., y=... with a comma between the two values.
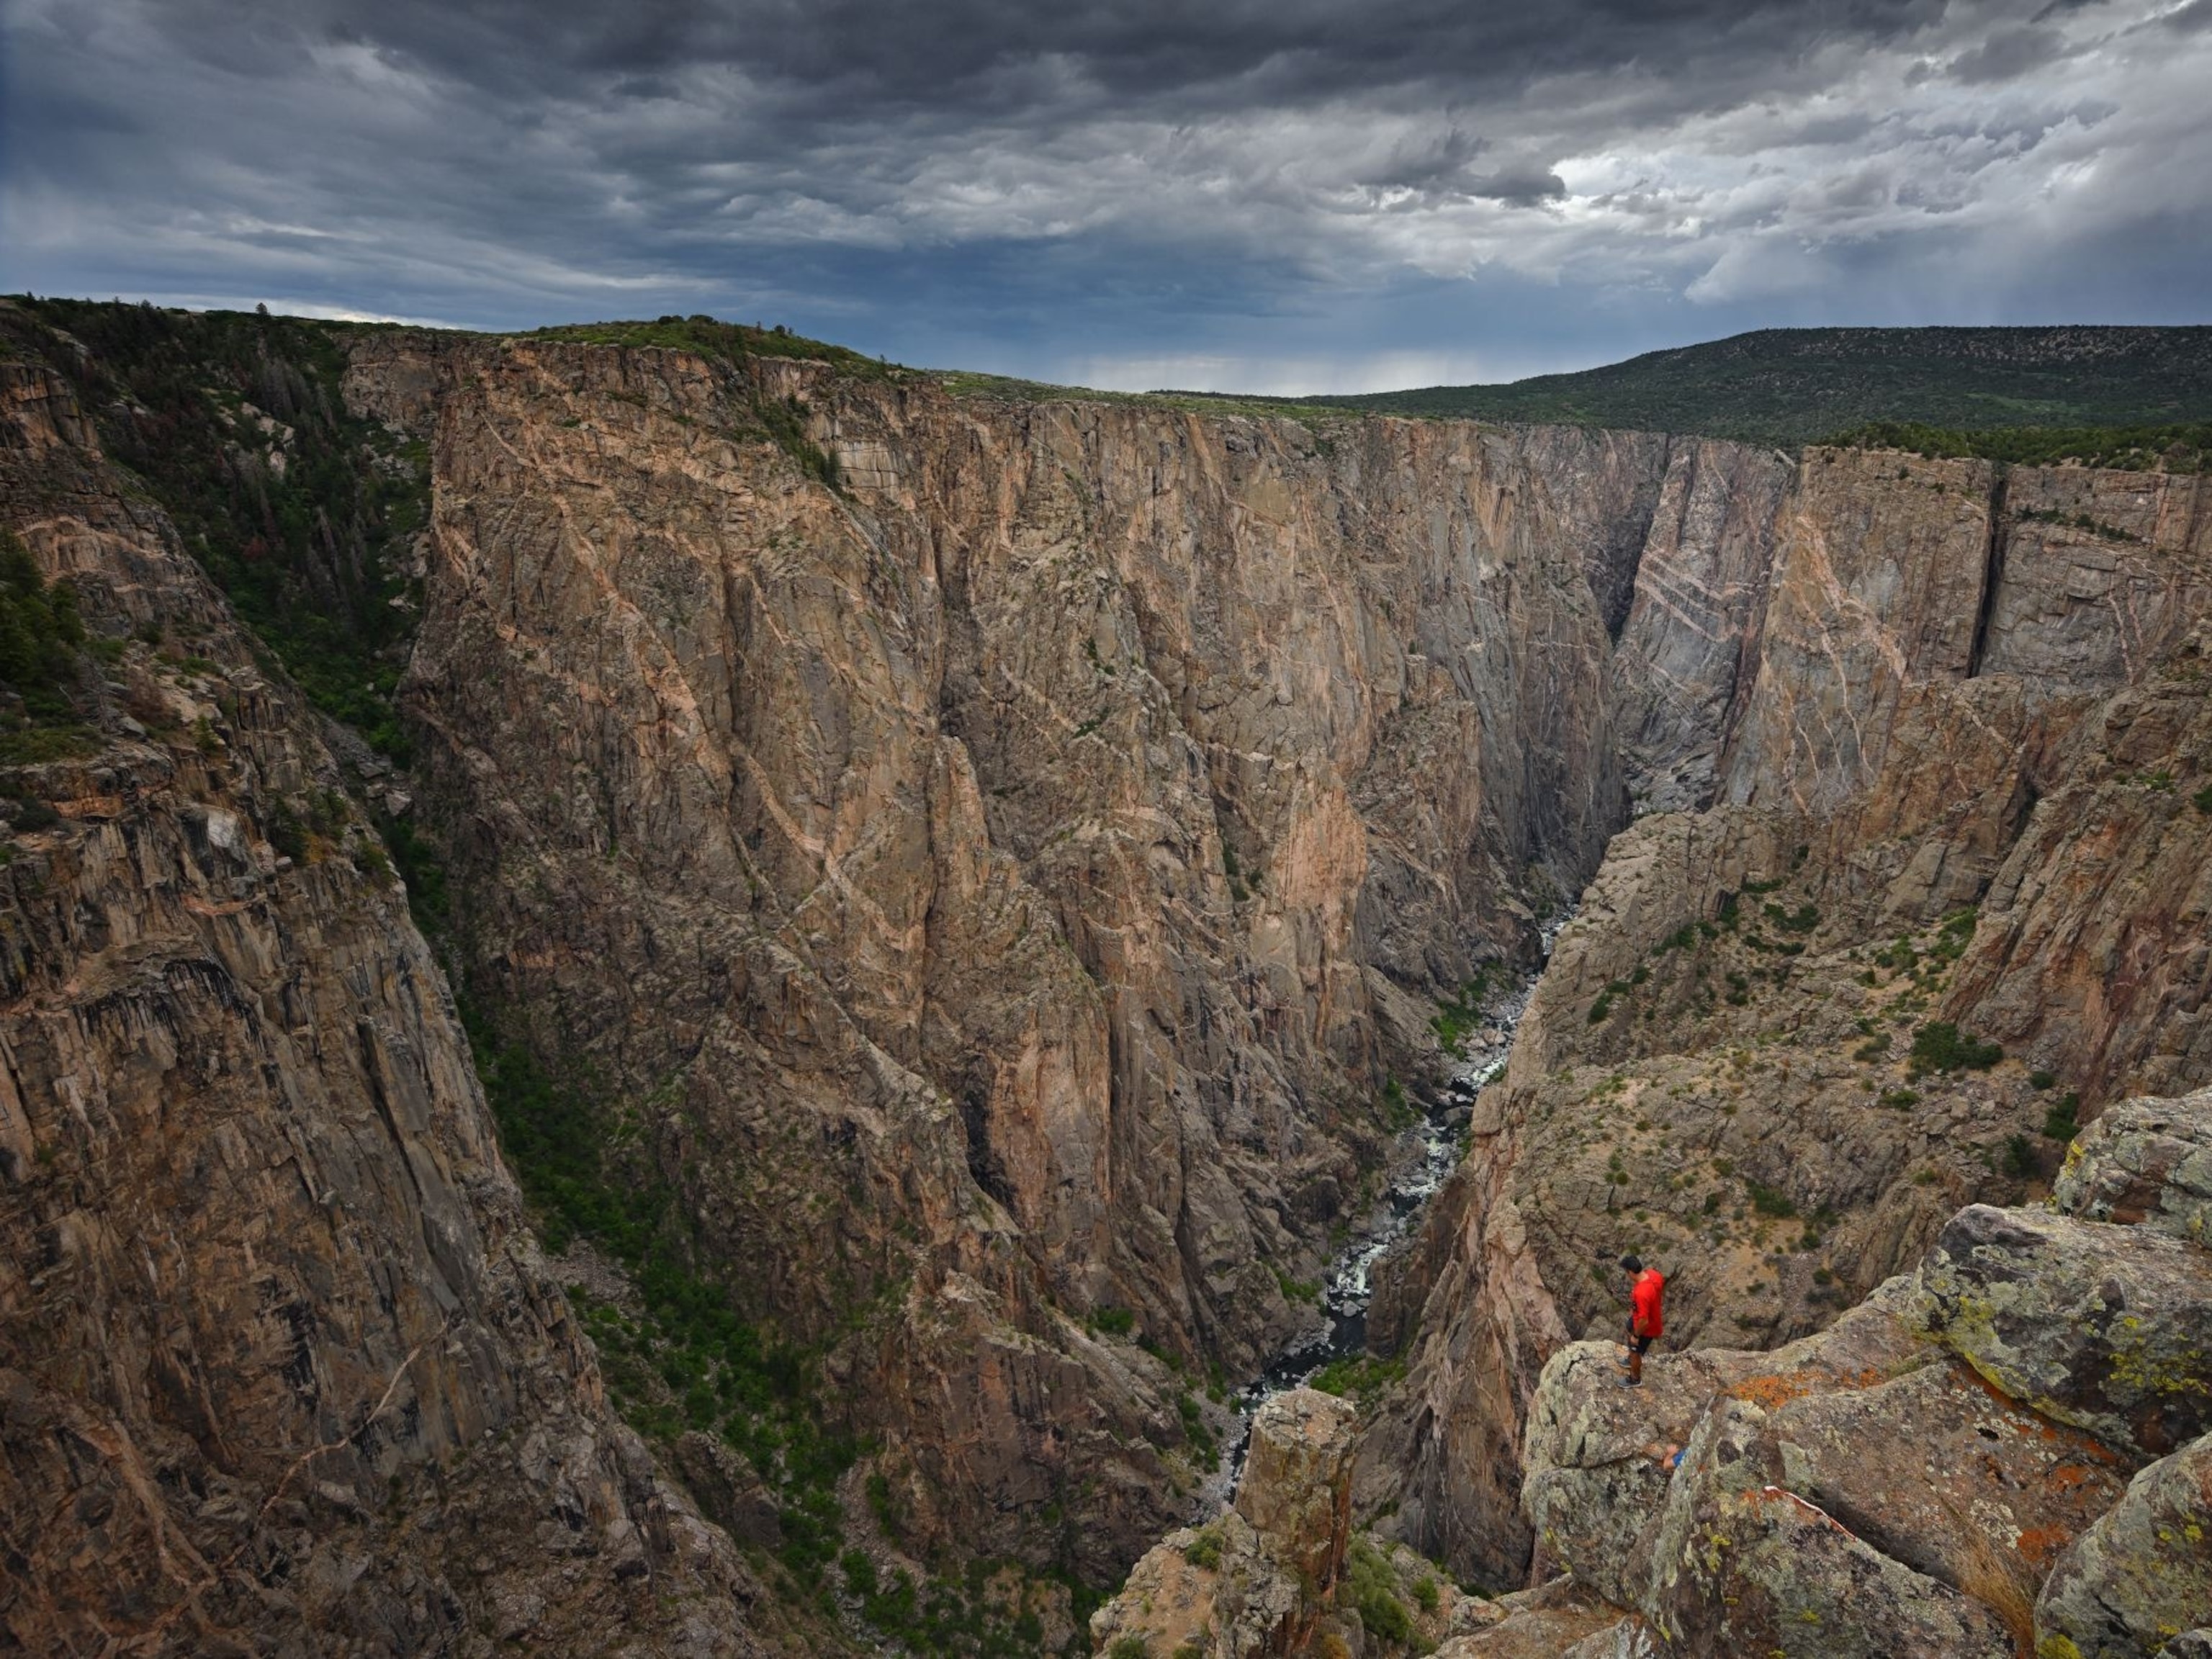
x=1641, y=1344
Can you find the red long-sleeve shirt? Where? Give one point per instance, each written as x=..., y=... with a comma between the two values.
x=1650, y=1287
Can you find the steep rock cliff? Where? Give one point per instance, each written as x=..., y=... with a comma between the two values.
x=978, y=867
x=1005, y=884
x=1951, y=872
x=280, y=1369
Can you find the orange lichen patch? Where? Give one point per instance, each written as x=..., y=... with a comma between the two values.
x=2040, y=1546
x=2067, y=1476
x=1779, y=1388
x=1771, y=1391
x=2028, y=1420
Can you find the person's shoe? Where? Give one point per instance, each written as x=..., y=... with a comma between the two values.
x=1630, y=1382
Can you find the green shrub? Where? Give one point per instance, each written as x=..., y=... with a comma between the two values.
x=1362, y=1377
x=2178, y=448
x=1769, y=1201
x=1128, y=1647
x=1205, y=1550
x=2019, y=1157
x=1115, y=1321
x=27, y=814
x=2041, y=1080
x=2202, y=799
x=1372, y=1589
x=2063, y=1121
x=41, y=635
x=1939, y=1047
x=1601, y=1008
x=1901, y=1098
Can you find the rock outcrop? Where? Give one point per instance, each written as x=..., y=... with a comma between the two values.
x=1946, y=868
x=282, y=1369
x=2147, y=1163
x=2129, y=1582
x=1910, y=1481
x=1255, y=1582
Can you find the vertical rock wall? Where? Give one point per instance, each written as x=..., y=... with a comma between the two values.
x=1008, y=881
x=1922, y=687
x=277, y=1353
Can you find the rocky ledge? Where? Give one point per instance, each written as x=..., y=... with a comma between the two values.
x=2005, y=1452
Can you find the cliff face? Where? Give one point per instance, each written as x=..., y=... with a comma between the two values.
x=1943, y=691
x=978, y=868
x=1004, y=886
x=279, y=1355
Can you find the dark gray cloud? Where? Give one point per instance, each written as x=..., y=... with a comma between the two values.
x=1284, y=192
x=2009, y=53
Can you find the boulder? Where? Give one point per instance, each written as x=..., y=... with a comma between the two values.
x=2106, y=1328
x=1940, y=1472
x=2143, y=1574
x=2147, y=1162
x=1536, y=1624
x=1742, y=1564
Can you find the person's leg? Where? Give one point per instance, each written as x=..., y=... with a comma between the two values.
x=1636, y=1347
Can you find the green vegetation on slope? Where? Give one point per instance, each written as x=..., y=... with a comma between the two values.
x=41, y=662
x=2181, y=448
x=235, y=424
x=710, y=336
x=1803, y=385
x=687, y=1362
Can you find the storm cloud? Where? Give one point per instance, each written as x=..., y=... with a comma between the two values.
x=1278, y=196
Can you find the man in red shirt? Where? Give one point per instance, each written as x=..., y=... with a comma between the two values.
x=1646, y=1318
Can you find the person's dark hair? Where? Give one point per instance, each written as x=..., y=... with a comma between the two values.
x=1633, y=1263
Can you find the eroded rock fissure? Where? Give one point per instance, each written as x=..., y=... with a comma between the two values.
x=1992, y=571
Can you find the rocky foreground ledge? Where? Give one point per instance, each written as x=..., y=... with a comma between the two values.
x=2007, y=1452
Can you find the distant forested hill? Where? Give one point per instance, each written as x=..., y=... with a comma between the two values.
x=1801, y=384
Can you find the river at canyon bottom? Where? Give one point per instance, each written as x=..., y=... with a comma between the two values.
x=1437, y=1143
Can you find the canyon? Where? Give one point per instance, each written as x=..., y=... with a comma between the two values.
x=949, y=901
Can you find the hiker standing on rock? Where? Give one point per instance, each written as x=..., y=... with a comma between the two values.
x=1646, y=1316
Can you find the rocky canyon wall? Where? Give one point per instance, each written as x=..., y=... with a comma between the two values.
x=282, y=1369
x=1945, y=888
x=1005, y=884
x=985, y=870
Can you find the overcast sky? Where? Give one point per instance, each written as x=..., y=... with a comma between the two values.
x=1260, y=194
